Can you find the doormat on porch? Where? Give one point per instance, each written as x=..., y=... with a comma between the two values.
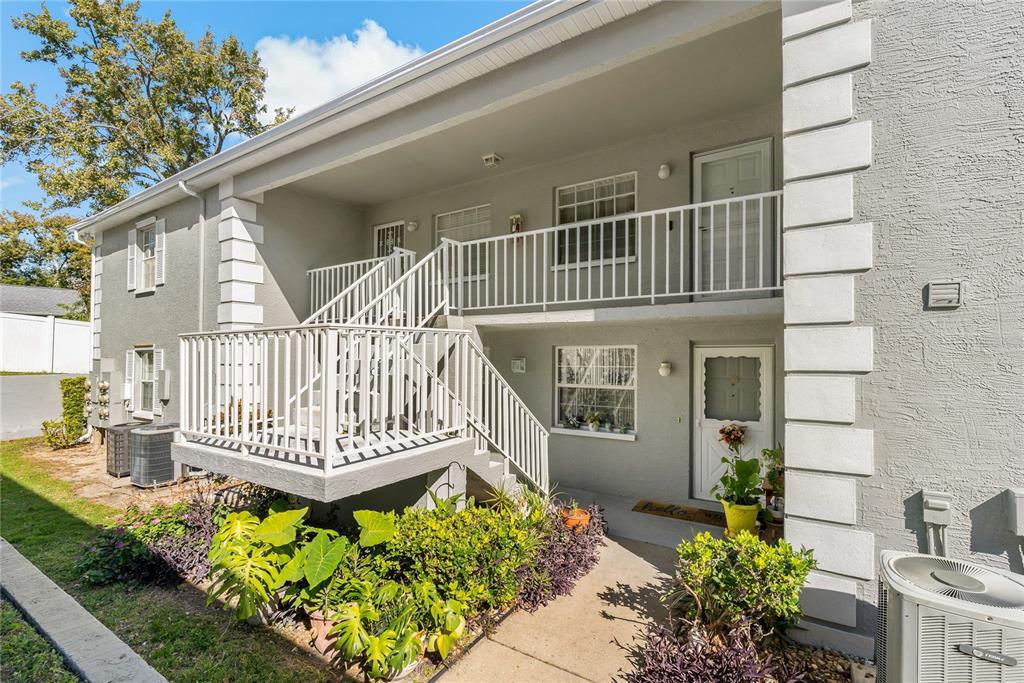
x=681, y=512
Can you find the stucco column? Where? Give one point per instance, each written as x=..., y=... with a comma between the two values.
x=824, y=145
x=240, y=270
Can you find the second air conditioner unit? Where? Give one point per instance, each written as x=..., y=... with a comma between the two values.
x=947, y=621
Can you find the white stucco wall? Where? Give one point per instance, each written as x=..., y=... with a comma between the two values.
x=945, y=195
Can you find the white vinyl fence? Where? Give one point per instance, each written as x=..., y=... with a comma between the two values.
x=35, y=343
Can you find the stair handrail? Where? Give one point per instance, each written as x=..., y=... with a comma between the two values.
x=426, y=283
x=399, y=260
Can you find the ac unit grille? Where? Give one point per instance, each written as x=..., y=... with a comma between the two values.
x=962, y=581
x=881, y=633
x=941, y=661
x=118, y=449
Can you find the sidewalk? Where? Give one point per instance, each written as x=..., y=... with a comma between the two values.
x=585, y=636
x=89, y=648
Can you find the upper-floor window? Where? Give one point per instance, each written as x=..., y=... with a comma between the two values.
x=147, y=251
x=147, y=254
x=463, y=225
x=591, y=207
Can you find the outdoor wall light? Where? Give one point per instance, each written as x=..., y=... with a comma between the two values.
x=412, y=226
x=665, y=369
x=664, y=171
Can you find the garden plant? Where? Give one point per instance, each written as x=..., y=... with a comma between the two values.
x=386, y=594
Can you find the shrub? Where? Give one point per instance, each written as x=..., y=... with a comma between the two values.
x=564, y=558
x=662, y=658
x=471, y=555
x=163, y=543
x=66, y=431
x=722, y=582
x=186, y=552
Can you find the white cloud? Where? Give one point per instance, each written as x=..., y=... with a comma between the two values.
x=302, y=72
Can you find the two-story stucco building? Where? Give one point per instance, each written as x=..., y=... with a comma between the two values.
x=663, y=216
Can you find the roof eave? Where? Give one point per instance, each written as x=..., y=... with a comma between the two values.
x=502, y=29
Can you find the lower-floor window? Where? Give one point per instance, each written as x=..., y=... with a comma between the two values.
x=144, y=358
x=596, y=381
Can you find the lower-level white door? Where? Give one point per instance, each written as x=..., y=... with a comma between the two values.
x=731, y=385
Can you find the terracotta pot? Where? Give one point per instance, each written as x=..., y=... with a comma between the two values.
x=576, y=519
x=323, y=642
x=740, y=517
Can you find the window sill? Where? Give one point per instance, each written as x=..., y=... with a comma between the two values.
x=614, y=436
x=143, y=415
x=617, y=261
x=145, y=292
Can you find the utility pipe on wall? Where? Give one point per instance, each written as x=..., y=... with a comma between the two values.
x=202, y=248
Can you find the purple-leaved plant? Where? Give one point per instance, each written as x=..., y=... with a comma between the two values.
x=662, y=658
x=563, y=559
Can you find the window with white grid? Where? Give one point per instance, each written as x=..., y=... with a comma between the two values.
x=596, y=200
x=596, y=379
x=464, y=225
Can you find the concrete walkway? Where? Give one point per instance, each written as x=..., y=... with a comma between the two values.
x=585, y=636
x=89, y=648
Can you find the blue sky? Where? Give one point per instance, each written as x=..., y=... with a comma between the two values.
x=312, y=50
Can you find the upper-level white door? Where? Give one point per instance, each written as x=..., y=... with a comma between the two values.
x=739, y=236
x=386, y=237
x=731, y=385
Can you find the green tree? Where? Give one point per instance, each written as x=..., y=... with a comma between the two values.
x=44, y=253
x=141, y=102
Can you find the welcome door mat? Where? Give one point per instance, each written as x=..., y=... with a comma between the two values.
x=681, y=512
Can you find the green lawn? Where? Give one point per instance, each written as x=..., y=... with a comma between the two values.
x=24, y=654
x=170, y=627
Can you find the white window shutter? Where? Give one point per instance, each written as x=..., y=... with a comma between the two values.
x=160, y=252
x=158, y=365
x=129, y=377
x=133, y=247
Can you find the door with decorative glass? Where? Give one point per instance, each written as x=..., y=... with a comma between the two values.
x=731, y=385
x=388, y=236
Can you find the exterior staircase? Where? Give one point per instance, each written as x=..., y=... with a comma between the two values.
x=377, y=386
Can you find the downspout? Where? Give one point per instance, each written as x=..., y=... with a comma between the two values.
x=202, y=248
x=92, y=281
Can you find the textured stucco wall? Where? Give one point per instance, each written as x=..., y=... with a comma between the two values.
x=946, y=195
x=531, y=192
x=657, y=464
x=158, y=317
x=302, y=232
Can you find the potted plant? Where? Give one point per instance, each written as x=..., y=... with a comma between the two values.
x=593, y=421
x=774, y=473
x=623, y=428
x=575, y=517
x=739, y=489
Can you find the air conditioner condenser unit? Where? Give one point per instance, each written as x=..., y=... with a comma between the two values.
x=946, y=621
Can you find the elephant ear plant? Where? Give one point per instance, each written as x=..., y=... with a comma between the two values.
x=247, y=556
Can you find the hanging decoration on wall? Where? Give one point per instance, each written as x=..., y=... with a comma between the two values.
x=515, y=225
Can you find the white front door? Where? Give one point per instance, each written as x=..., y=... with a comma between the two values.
x=731, y=385
x=738, y=237
x=386, y=237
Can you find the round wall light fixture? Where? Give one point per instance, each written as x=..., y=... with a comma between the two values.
x=664, y=171
x=665, y=369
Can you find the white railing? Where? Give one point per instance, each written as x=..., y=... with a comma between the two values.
x=326, y=395
x=327, y=283
x=723, y=247
x=344, y=306
x=415, y=298
x=315, y=395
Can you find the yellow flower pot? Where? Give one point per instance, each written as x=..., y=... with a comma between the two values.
x=740, y=517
